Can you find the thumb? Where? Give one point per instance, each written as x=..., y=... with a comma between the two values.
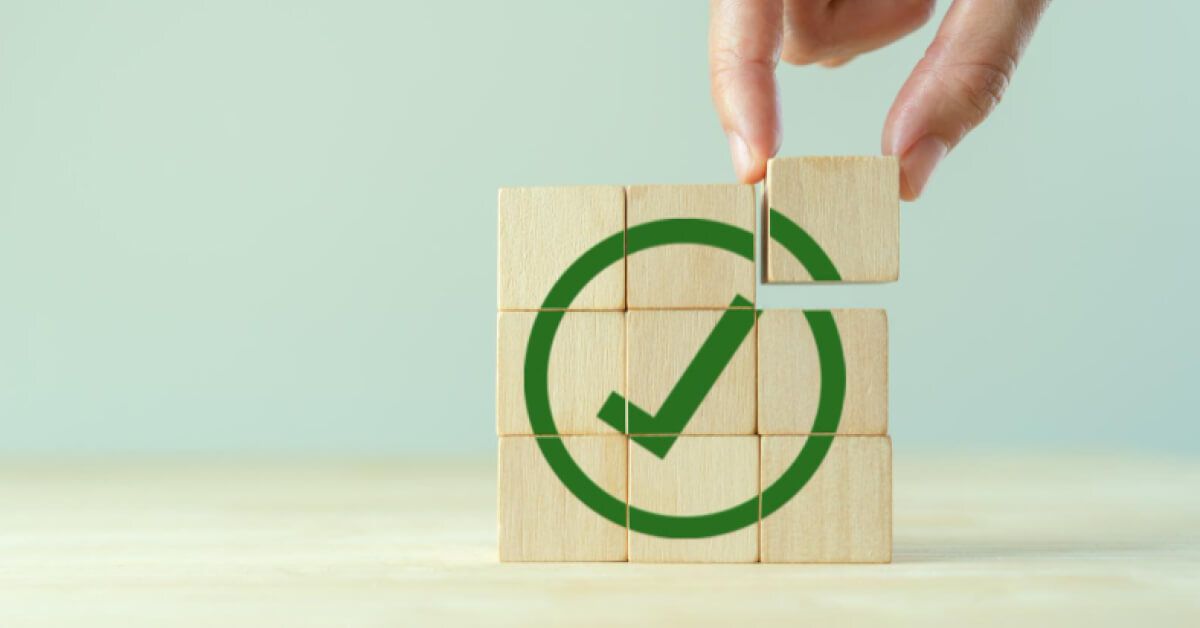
x=957, y=84
x=743, y=48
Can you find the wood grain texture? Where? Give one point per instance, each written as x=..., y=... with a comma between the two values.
x=587, y=363
x=542, y=230
x=701, y=474
x=843, y=514
x=997, y=539
x=662, y=343
x=540, y=520
x=789, y=380
x=849, y=205
x=690, y=276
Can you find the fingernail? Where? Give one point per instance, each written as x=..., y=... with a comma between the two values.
x=742, y=159
x=918, y=164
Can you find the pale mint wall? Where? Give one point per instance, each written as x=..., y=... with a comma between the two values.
x=251, y=226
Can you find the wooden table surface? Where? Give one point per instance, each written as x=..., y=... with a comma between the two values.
x=979, y=540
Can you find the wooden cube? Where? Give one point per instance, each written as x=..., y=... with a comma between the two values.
x=843, y=514
x=543, y=230
x=850, y=206
x=587, y=364
x=702, y=475
x=686, y=275
x=662, y=344
x=789, y=380
x=540, y=519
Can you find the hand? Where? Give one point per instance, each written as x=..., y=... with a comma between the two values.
x=951, y=90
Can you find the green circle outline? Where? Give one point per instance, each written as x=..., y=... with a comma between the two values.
x=697, y=232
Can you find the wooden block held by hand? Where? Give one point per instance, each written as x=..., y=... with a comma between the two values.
x=789, y=381
x=540, y=519
x=663, y=344
x=543, y=230
x=700, y=475
x=587, y=364
x=690, y=275
x=850, y=206
x=843, y=514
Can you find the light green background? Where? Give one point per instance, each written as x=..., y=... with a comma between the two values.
x=249, y=226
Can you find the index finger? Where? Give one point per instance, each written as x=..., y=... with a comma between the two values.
x=744, y=41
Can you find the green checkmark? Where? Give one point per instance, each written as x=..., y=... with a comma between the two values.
x=698, y=378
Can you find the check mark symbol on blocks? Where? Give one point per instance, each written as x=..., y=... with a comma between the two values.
x=689, y=392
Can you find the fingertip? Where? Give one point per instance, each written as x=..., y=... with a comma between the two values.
x=757, y=175
x=754, y=173
x=918, y=163
x=747, y=164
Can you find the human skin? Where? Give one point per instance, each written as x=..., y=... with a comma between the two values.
x=952, y=89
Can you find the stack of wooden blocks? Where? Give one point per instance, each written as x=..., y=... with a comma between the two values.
x=634, y=329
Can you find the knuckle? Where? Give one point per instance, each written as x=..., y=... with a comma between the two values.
x=981, y=85
x=730, y=74
x=728, y=66
x=978, y=86
x=728, y=60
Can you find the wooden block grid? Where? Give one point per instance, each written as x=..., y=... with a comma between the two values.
x=720, y=459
